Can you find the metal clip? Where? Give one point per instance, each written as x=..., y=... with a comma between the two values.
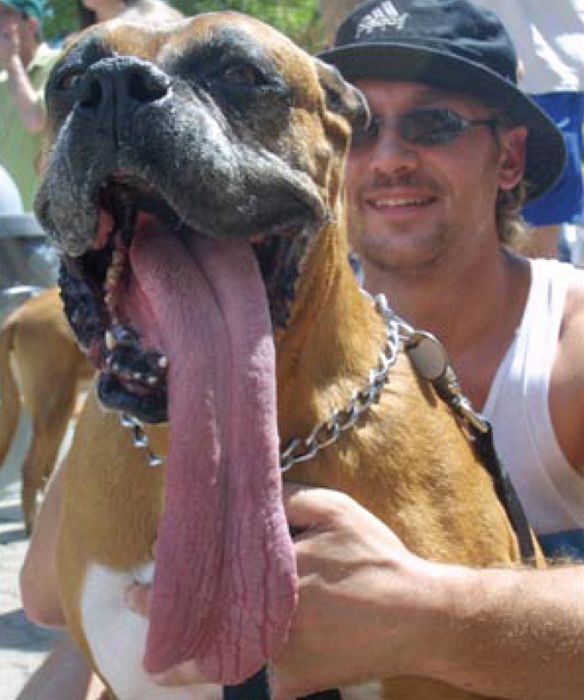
x=430, y=360
x=139, y=438
x=427, y=355
x=448, y=388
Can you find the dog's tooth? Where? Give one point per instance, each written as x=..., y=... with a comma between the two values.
x=163, y=362
x=118, y=258
x=110, y=341
x=138, y=376
x=152, y=380
x=112, y=276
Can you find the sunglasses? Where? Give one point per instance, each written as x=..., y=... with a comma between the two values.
x=422, y=127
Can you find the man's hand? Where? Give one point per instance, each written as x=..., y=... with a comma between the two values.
x=355, y=579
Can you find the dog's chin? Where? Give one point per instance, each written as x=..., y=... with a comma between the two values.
x=116, y=396
x=133, y=370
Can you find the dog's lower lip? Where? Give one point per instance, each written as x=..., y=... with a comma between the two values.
x=115, y=395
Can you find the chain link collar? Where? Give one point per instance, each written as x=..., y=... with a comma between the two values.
x=327, y=432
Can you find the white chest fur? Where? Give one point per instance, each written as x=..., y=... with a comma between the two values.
x=117, y=638
x=367, y=691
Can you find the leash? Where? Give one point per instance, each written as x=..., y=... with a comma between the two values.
x=506, y=493
x=258, y=688
x=431, y=361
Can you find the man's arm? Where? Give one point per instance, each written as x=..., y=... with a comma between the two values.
x=25, y=98
x=369, y=608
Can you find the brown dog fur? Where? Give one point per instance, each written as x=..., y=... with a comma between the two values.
x=41, y=368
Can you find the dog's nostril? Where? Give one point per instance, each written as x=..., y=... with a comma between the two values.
x=92, y=95
x=146, y=87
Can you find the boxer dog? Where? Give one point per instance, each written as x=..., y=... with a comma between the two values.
x=193, y=183
x=43, y=369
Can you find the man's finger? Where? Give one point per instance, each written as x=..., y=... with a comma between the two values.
x=186, y=673
x=311, y=507
x=138, y=598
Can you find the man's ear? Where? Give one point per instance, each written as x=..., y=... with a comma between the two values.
x=342, y=97
x=512, y=157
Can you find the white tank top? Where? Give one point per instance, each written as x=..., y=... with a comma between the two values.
x=517, y=406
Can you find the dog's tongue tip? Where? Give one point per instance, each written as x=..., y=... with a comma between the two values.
x=225, y=584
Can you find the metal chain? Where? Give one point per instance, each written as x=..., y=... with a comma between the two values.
x=139, y=438
x=327, y=432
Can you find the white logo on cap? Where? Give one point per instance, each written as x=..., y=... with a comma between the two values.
x=384, y=16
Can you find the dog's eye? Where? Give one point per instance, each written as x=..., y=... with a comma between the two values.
x=241, y=74
x=69, y=79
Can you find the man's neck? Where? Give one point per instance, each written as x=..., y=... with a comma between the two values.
x=474, y=310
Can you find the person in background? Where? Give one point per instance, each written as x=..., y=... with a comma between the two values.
x=549, y=40
x=92, y=11
x=25, y=64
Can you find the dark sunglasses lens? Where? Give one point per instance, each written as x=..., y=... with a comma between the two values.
x=431, y=127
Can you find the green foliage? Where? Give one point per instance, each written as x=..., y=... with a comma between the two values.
x=296, y=18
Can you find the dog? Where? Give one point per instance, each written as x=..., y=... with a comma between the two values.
x=193, y=183
x=42, y=368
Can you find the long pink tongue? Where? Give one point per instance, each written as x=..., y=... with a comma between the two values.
x=225, y=581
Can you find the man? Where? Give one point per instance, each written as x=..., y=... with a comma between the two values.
x=25, y=64
x=432, y=199
x=433, y=184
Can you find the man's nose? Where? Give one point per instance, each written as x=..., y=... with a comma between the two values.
x=115, y=88
x=390, y=154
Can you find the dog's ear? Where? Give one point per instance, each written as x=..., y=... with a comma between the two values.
x=342, y=97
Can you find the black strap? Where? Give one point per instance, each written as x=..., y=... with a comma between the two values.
x=448, y=389
x=505, y=491
x=258, y=688
x=254, y=688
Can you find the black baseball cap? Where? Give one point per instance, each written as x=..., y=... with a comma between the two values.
x=454, y=45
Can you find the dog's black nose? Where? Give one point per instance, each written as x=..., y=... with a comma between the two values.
x=114, y=88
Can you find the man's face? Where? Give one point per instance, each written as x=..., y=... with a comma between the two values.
x=411, y=204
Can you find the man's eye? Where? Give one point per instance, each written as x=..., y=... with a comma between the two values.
x=241, y=74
